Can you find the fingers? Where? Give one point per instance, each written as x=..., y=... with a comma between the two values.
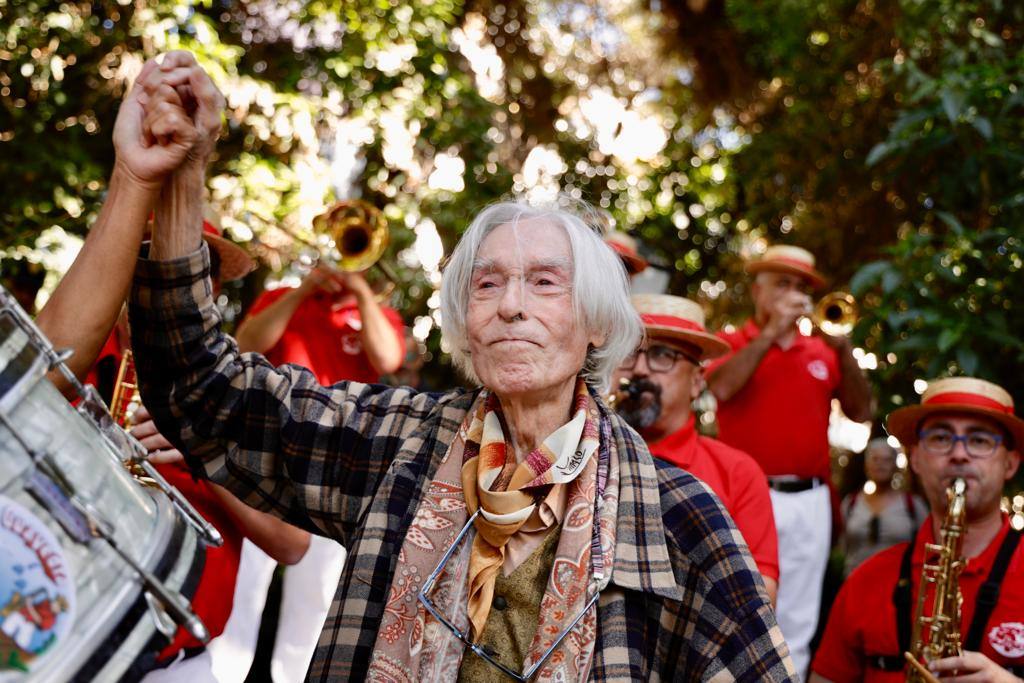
x=163, y=102
x=209, y=101
x=165, y=457
x=170, y=125
x=176, y=58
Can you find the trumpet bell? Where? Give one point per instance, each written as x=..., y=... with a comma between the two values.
x=836, y=314
x=355, y=234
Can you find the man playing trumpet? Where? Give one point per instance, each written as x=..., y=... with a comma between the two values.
x=965, y=429
x=775, y=392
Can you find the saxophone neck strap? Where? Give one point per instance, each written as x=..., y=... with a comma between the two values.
x=988, y=594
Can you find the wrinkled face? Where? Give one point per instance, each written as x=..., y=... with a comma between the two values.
x=880, y=463
x=659, y=401
x=984, y=476
x=523, y=334
x=769, y=287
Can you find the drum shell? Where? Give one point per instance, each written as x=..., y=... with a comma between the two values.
x=107, y=620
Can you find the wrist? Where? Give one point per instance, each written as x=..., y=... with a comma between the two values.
x=123, y=175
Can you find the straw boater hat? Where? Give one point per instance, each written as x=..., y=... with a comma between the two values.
x=678, y=318
x=957, y=395
x=625, y=247
x=235, y=262
x=787, y=259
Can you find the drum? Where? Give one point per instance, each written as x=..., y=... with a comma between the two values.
x=94, y=567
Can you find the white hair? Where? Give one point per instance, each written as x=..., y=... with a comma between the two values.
x=600, y=287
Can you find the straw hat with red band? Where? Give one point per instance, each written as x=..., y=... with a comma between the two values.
x=958, y=395
x=677, y=318
x=787, y=259
x=235, y=262
x=625, y=246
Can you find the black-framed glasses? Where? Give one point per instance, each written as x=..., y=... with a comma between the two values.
x=942, y=441
x=475, y=648
x=660, y=358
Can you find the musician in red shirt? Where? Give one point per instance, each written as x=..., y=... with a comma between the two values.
x=964, y=428
x=775, y=391
x=665, y=377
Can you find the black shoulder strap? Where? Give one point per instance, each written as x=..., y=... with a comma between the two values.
x=901, y=596
x=988, y=594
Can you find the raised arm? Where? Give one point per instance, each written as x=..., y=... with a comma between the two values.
x=853, y=392
x=381, y=342
x=86, y=303
x=272, y=436
x=726, y=380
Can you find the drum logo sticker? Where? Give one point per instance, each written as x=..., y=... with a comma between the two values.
x=37, y=593
x=1008, y=639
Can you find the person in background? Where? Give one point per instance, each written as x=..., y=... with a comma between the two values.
x=963, y=428
x=774, y=392
x=665, y=376
x=333, y=325
x=625, y=246
x=878, y=516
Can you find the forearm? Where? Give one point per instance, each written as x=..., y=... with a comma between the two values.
x=86, y=303
x=854, y=391
x=285, y=543
x=257, y=430
x=727, y=380
x=179, y=215
x=261, y=332
x=380, y=341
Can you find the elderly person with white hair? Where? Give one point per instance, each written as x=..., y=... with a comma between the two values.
x=518, y=530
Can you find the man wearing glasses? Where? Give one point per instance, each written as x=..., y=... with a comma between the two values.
x=775, y=391
x=663, y=378
x=963, y=428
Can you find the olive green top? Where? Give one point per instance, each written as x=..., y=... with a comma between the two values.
x=515, y=613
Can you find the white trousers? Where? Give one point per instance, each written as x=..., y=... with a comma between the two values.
x=307, y=593
x=229, y=656
x=804, y=523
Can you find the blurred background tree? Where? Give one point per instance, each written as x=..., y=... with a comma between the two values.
x=885, y=135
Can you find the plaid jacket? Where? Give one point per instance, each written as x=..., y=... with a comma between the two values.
x=350, y=462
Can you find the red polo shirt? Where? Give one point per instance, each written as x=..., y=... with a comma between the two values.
x=863, y=620
x=780, y=416
x=325, y=338
x=737, y=480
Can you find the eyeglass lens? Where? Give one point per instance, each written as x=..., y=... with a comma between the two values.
x=978, y=444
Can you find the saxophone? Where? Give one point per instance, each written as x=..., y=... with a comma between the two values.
x=937, y=635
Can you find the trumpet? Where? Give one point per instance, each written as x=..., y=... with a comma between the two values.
x=350, y=236
x=835, y=314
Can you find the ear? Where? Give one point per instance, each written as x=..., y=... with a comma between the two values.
x=697, y=383
x=912, y=457
x=1012, y=463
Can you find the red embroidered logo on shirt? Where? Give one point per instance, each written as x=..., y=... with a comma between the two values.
x=818, y=370
x=1008, y=639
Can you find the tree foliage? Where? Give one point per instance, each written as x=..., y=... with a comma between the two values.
x=878, y=132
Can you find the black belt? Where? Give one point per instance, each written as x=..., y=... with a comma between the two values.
x=793, y=485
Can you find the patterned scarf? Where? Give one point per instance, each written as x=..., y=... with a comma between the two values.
x=480, y=470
